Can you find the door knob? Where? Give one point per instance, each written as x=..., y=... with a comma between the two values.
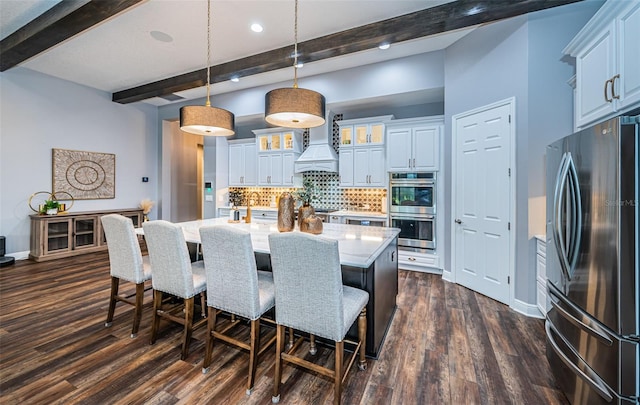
x=458, y=221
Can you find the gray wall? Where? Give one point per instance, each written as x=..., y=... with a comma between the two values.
x=39, y=113
x=521, y=58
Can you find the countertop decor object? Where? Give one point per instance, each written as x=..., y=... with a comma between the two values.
x=286, y=213
x=146, y=205
x=207, y=120
x=305, y=211
x=41, y=197
x=312, y=224
x=294, y=107
x=50, y=207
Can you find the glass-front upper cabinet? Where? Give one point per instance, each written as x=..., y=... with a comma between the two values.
x=363, y=131
x=369, y=134
x=287, y=140
x=346, y=135
x=270, y=142
x=278, y=140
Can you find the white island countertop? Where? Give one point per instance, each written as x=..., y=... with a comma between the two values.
x=359, y=246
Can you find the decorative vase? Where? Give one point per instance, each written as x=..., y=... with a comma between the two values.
x=312, y=224
x=304, y=212
x=52, y=211
x=286, y=213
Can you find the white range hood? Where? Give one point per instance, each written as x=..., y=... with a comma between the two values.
x=319, y=155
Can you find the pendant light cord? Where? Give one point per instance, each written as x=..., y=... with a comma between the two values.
x=208, y=104
x=295, y=48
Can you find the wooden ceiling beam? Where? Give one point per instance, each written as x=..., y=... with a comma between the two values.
x=447, y=17
x=59, y=23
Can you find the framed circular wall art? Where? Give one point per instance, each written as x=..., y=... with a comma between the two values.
x=84, y=175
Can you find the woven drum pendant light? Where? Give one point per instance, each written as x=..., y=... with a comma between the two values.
x=294, y=107
x=207, y=120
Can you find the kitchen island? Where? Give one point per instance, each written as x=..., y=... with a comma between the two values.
x=369, y=259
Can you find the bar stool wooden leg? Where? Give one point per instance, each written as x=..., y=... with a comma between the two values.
x=290, y=344
x=115, y=282
x=254, y=348
x=188, y=327
x=137, y=311
x=155, y=323
x=211, y=327
x=312, y=345
x=338, y=373
x=362, y=335
x=203, y=304
x=277, y=375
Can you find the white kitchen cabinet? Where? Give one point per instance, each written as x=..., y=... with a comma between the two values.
x=345, y=164
x=242, y=163
x=413, y=145
x=363, y=131
x=607, y=55
x=419, y=261
x=270, y=170
x=362, y=152
x=368, y=167
x=277, y=151
x=289, y=177
x=543, y=301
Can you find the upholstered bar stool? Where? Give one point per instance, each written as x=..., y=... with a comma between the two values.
x=126, y=263
x=235, y=285
x=173, y=273
x=310, y=298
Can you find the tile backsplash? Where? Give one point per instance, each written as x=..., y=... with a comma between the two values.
x=331, y=196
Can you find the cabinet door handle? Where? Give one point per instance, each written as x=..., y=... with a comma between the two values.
x=414, y=162
x=292, y=178
x=606, y=92
x=412, y=259
x=613, y=87
x=409, y=163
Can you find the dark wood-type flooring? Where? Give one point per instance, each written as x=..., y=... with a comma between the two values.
x=446, y=345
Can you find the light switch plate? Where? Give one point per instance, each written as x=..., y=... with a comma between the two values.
x=208, y=198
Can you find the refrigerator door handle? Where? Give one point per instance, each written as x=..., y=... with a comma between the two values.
x=593, y=379
x=592, y=328
x=558, y=217
x=575, y=232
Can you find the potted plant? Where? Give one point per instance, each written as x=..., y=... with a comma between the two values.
x=308, y=194
x=50, y=207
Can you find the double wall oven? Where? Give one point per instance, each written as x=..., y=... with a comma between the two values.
x=412, y=209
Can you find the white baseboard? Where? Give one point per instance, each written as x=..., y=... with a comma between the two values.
x=530, y=310
x=19, y=255
x=447, y=276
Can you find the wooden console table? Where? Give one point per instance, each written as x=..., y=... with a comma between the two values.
x=73, y=233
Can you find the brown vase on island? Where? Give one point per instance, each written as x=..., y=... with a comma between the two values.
x=304, y=212
x=286, y=213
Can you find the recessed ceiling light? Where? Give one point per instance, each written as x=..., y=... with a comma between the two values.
x=161, y=36
x=386, y=45
x=235, y=79
x=255, y=27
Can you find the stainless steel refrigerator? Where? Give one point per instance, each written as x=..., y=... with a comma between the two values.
x=592, y=263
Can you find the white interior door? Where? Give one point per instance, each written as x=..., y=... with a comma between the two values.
x=482, y=200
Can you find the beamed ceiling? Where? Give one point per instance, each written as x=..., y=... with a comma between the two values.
x=102, y=43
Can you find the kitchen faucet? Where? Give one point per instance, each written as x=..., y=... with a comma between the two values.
x=247, y=218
